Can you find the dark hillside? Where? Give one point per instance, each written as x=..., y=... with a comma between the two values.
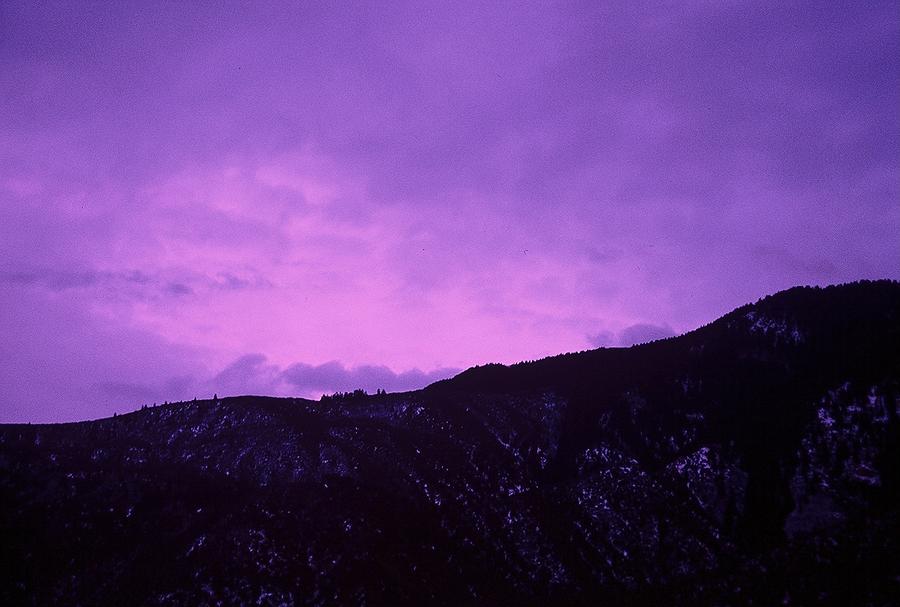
x=754, y=461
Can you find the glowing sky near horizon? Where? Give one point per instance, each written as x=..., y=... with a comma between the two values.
x=297, y=198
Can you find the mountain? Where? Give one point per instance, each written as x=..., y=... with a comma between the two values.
x=754, y=461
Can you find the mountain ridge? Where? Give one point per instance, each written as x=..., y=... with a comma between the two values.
x=752, y=460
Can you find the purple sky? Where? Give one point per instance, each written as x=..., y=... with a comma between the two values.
x=302, y=198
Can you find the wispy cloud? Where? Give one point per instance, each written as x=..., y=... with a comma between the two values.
x=136, y=283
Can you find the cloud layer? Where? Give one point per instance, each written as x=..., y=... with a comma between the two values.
x=419, y=186
x=254, y=374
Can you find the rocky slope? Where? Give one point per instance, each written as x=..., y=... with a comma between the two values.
x=755, y=461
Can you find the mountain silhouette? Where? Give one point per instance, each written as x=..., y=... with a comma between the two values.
x=753, y=461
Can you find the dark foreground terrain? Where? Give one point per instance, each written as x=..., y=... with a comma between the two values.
x=754, y=461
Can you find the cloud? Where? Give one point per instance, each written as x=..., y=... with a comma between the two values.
x=129, y=283
x=333, y=376
x=179, y=289
x=63, y=363
x=639, y=333
x=249, y=374
x=428, y=189
x=642, y=333
x=602, y=339
x=230, y=282
x=56, y=280
x=254, y=374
